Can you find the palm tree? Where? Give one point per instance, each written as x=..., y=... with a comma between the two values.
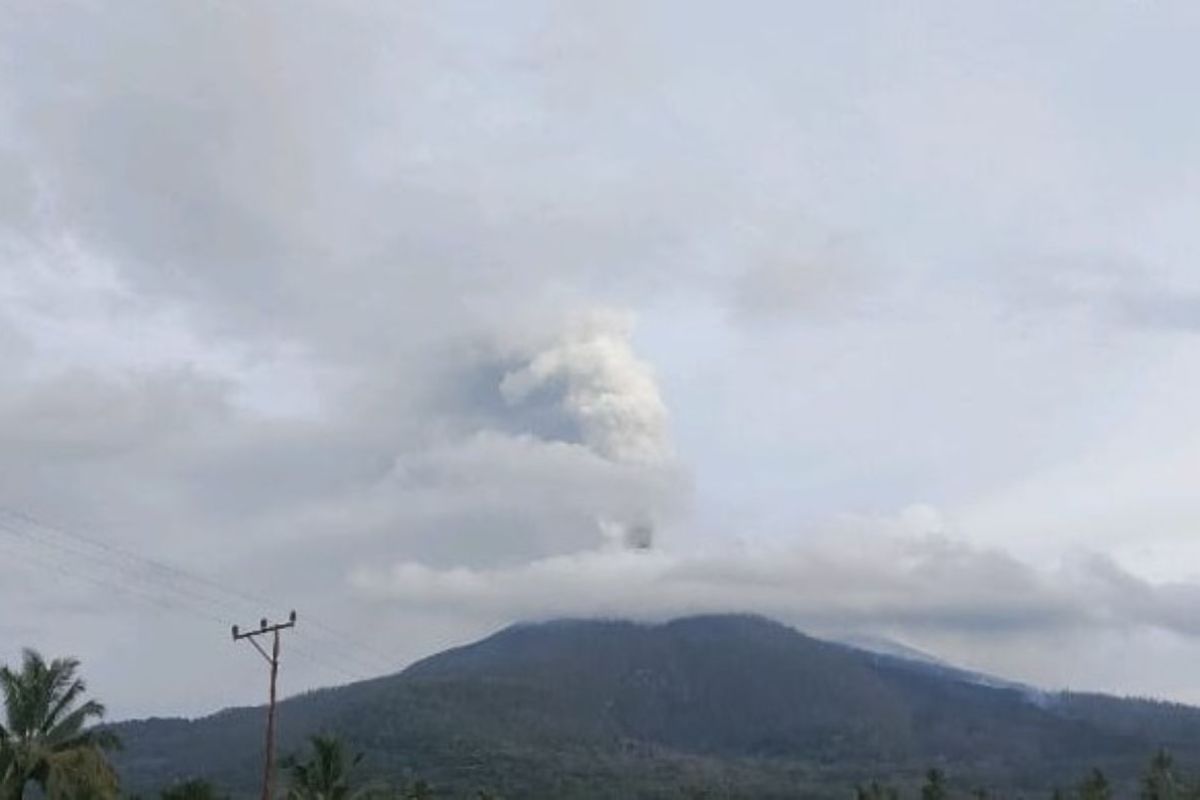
x=1095, y=787
x=1159, y=781
x=935, y=786
x=45, y=739
x=192, y=789
x=421, y=790
x=876, y=791
x=325, y=776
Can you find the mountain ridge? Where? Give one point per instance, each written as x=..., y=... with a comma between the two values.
x=737, y=699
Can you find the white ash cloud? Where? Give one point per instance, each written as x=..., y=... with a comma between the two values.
x=605, y=389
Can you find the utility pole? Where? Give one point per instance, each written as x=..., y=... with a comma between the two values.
x=265, y=628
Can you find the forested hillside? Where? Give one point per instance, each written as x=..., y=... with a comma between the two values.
x=617, y=709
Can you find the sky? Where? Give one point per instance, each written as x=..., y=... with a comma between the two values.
x=881, y=319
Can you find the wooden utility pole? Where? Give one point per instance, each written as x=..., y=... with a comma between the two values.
x=265, y=628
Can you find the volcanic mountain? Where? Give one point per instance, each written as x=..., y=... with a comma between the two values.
x=725, y=705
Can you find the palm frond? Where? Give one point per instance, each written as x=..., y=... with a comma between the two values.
x=73, y=723
x=68, y=692
x=46, y=741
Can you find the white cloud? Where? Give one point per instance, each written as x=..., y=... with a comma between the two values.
x=869, y=581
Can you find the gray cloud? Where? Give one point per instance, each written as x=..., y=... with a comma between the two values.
x=790, y=277
x=82, y=415
x=1160, y=308
x=312, y=198
x=922, y=583
x=871, y=583
x=291, y=291
x=1114, y=291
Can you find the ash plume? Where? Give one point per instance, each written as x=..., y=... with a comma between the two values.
x=606, y=390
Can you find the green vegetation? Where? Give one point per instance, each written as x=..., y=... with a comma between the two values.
x=876, y=791
x=193, y=789
x=46, y=741
x=324, y=776
x=711, y=706
x=1160, y=781
x=935, y=786
x=704, y=708
x=1095, y=787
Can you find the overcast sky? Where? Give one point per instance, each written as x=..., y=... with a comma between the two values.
x=423, y=318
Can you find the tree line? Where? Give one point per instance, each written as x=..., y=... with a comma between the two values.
x=1159, y=781
x=52, y=746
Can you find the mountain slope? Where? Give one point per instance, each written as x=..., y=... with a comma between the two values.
x=602, y=708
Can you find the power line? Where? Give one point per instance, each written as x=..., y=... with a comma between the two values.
x=329, y=666
x=170, y=576
x=153, y=597
x=154, y=600
x=165, y=580
x=128, y=565
x=161, y=571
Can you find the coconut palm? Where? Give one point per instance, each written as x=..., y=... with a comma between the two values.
x=1095, y=787
x=325, y=776
x=192, y=789
x=421, y=790
x=46, y=740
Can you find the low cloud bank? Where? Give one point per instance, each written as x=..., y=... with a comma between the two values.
x=893, y=583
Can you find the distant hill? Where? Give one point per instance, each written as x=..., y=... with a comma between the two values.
x=735, y=705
